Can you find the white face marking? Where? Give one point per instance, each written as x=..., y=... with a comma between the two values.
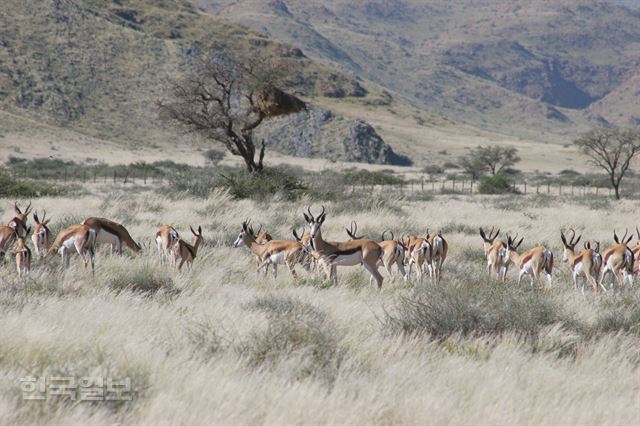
x=565, y=257
x=239, y=240
x=314, y=230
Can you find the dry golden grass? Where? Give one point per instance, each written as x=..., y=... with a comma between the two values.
x=219, y=345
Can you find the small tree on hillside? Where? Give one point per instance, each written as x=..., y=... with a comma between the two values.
x=493, y=159
x=612, y=150
x=225, y=100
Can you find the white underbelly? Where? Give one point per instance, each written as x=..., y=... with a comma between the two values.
x=105, y=237
x=69, y=245
x=348, y=259
x=579, y=269
x=280, y=257
x=527, y=267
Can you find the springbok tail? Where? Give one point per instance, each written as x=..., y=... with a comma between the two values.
x=91, y=242
x=628, y=260
x=437, y=245
x=548, y=261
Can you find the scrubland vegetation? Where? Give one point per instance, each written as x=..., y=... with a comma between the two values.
x=219, y=344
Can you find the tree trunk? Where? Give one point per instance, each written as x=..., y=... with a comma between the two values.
x=616, y=188
x=249, y=160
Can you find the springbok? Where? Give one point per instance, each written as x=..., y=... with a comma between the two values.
x=166, y=238
x=41, y=234
x=420, y=254
x=113, y=233
x=393, y=250
x=8, y=237
x=618, y=260
x=531, y=262
x=274, y=252
x=23, y=255
x=439, y=249
x=80, y=237
x=187, y=252
x=19, y=222
x=350, y=253
x=586, y=263
x=495, y=252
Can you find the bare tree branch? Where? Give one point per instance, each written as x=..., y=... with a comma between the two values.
x=611, y=150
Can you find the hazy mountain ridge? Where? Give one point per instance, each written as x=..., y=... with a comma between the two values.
x=486, y=62
x=99, y=67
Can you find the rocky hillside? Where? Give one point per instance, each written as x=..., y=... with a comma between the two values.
x=99, y=67
x=318, y=133
x=523, y=67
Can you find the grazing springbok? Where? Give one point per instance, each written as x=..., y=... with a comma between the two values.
x=618, y=260
x=8, y=237
x=166, y=238
x=112, y=233
x=80, y=238
x=350, y=253
x=586, y=263
x=495, y=252
x=23, y=255
x=439, y=249
x=187, y=252
x=41, y=234
x=19, y=222
x=531, y=262
x=274, y=252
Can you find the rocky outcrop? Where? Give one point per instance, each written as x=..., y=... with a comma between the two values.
x=318, y=133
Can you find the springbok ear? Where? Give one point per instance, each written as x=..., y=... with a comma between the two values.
x=35, y=217
x=16, y=208
x=28, y=209
x=577, y=241
x=306, y=218
x=615, y=237
x=322, y=218
x=520, y=242
x=564, y=240
x=199, y=229
x=482, y=234
x=192, y=231
x=244, y=226
x=629, y=239
x=46, y=221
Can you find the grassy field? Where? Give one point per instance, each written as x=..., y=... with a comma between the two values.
x=218, y=344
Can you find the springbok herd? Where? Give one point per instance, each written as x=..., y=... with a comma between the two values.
x=425, y=253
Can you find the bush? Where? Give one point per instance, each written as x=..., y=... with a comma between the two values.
x=144, y=278
x=496, y=184
x=240, y=185
x=10, y=187
x=365, y=177
x=296, y=332
x=620, y=314
x=441, y=311
x=213, y=156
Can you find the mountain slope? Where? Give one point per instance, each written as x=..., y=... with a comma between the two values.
x=99, y=67
x=521, y=67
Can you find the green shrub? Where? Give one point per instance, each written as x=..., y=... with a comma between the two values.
x=496, y=184
x=10, y=187
x=298, y=333
x=144, y=278
x=365, y=177
x=620, y=314
x=478, y=309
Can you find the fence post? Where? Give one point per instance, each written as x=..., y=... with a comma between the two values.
x=145, y=177
x=65, y=174
x=471, y=189
x=453, y=184
x=422, y=184
x=537, y=188
x=548, y=188
x=114, y=176
x=525, y=187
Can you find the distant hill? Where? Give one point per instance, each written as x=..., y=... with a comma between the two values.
x=98, y=67
x=521, y=67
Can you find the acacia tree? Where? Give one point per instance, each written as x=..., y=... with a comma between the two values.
x=493, y=159
x=225, y=100
x=612, y=150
